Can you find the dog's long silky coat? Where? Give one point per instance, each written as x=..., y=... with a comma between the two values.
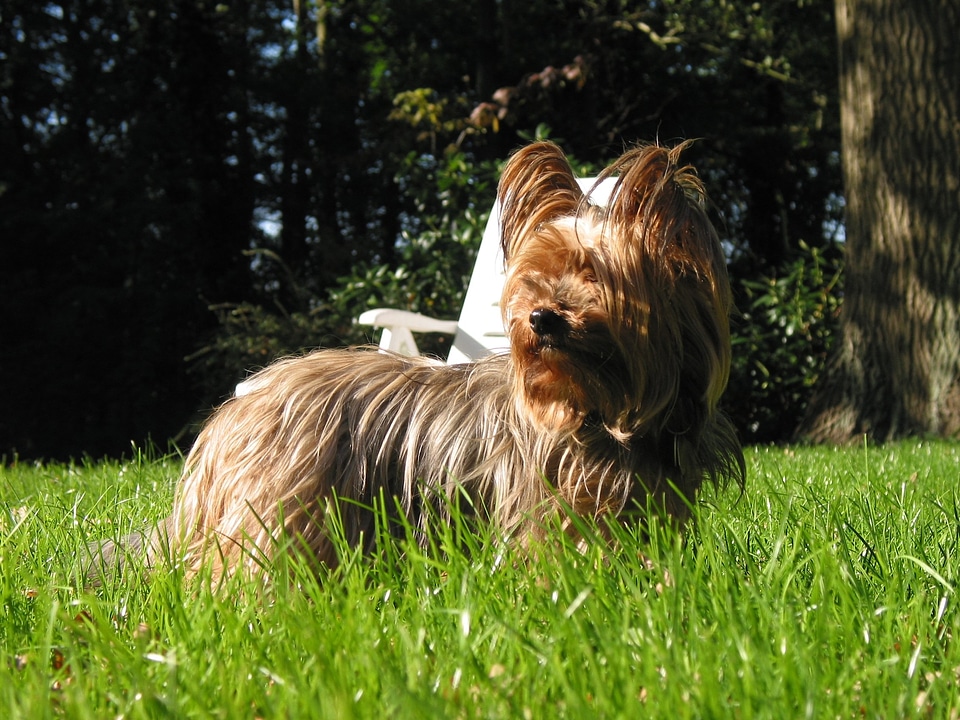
x=619, y=352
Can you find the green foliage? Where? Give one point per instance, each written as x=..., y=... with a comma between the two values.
x=781, y=337
x=451, y=196
x=428, y=272
x=827, y=589
x=781, y=341
x=250, y=337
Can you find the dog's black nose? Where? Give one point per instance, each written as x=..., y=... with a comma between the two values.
x=547, y=323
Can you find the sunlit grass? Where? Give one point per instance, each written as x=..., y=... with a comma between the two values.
x=825, y=590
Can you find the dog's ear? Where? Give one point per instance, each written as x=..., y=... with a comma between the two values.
x=659, y=209
x=658, y=203
x=537, y=186
x=661, y=230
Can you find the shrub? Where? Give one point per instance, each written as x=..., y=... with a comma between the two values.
x=780, y=340
x=429, y=273
x=780, y=343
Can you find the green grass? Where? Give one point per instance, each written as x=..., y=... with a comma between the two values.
x=826, y=590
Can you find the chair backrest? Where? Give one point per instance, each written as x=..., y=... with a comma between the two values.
x=480, y=328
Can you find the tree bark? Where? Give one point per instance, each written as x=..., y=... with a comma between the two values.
x=896, y=367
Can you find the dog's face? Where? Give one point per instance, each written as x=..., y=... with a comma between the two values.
x=617, y=314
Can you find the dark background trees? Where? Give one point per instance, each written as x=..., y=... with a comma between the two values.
x=190, y=188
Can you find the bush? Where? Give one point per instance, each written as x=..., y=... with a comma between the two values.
x=429, y=273
x=780, y=344
x=780, y=340
x=435, y=255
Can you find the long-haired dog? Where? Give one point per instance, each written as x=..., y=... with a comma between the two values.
x=617, y=319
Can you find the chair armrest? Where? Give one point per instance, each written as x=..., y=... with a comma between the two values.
x=399, y=326
x=415, y=322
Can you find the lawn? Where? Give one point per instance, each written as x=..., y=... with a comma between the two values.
x=825, y=590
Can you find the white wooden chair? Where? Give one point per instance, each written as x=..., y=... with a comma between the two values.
x=479, y=331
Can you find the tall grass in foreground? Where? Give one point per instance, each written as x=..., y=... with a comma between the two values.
x=826, y=590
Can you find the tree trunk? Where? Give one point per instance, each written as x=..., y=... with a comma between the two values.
x=896, y=367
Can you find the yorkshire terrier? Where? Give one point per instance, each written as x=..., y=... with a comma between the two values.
x=606, y=404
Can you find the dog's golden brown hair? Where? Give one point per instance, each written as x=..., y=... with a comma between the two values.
x=607, y=401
